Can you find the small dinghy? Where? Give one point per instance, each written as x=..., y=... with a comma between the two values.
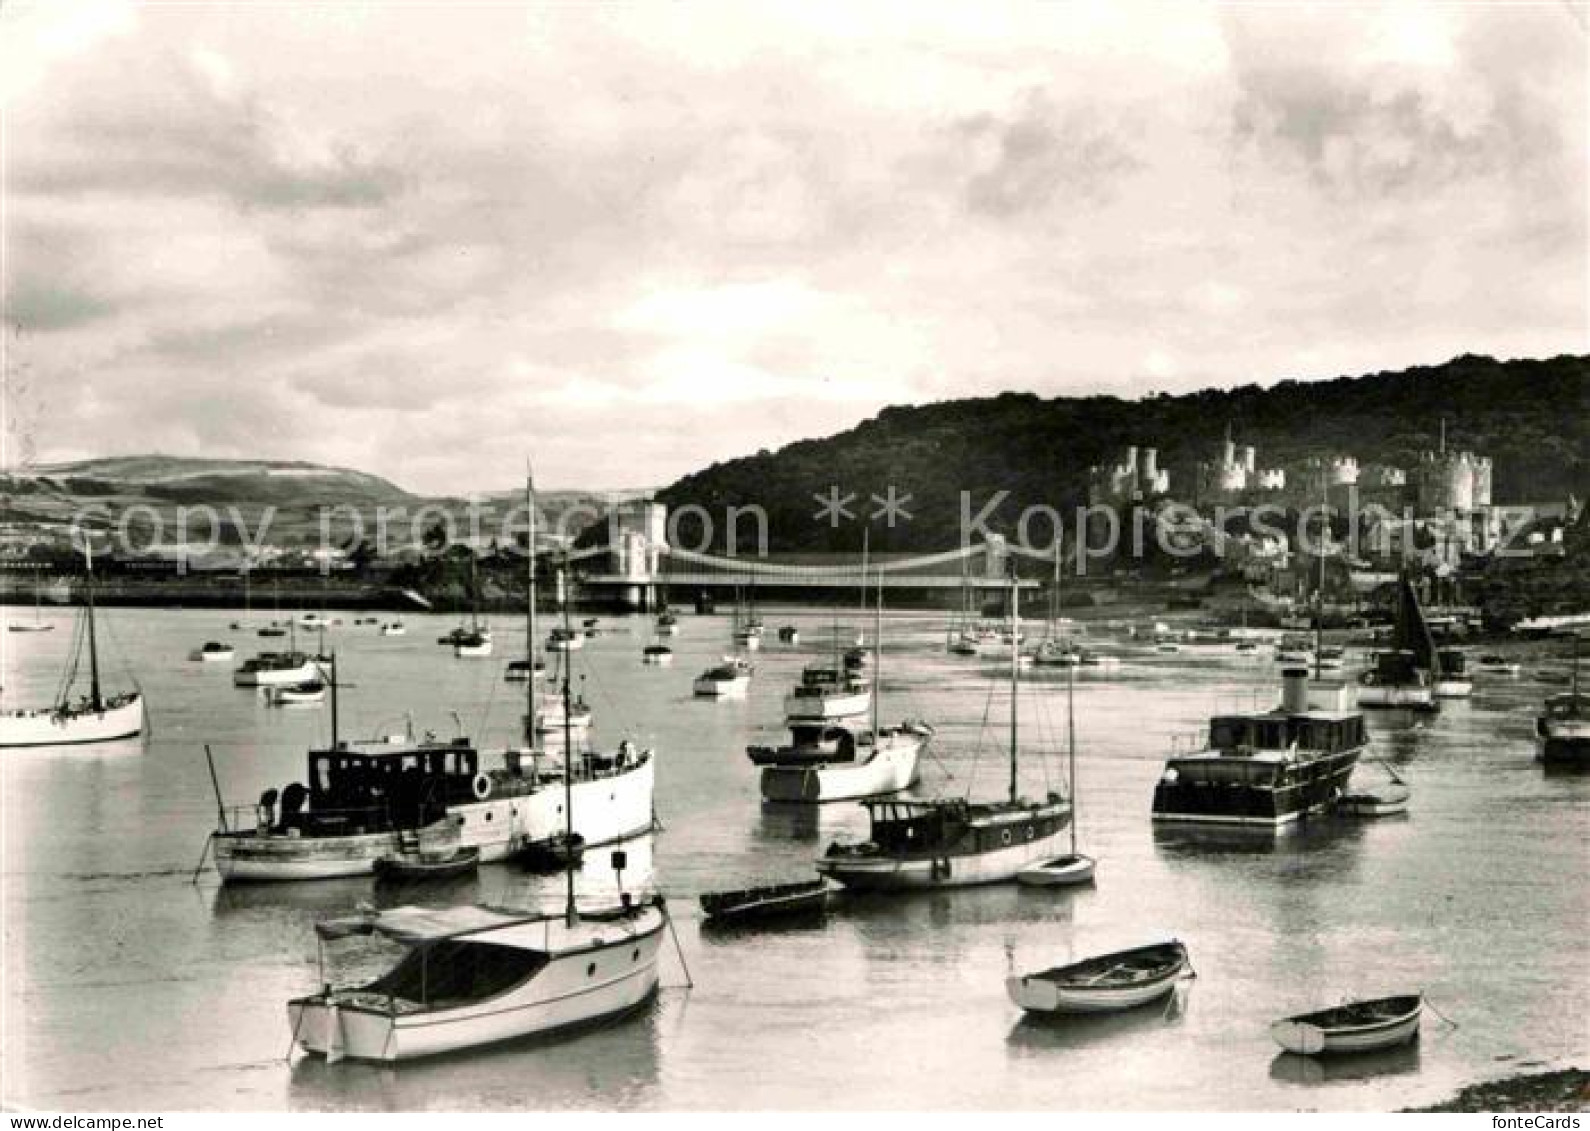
x=657, y=654
x=213, y=652
x=307, y=694
x=409, y=867
x=1359, y=1026
x=1058, y=871
x=789, y=634
x=560, y=850
x=1497, y=665
x=523, y=671
x=1382, y=801
x=1108, y=983
x=808, y=897
x=395, y=628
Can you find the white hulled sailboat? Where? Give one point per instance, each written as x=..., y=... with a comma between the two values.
x=91, y=718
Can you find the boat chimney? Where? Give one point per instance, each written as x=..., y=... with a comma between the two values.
x=1294, y=691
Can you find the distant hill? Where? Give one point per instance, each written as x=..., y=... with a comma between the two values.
x=1528, y=416
x=297, y=491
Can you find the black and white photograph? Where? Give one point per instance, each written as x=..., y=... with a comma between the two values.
x=770, y=557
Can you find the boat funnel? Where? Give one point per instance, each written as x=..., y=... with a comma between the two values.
x=1294, y=691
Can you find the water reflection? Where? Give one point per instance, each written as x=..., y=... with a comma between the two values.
x=1319, y=833
x=1291, y=1068
x=1062, y=1033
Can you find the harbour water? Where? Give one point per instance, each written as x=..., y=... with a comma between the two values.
x=127, y=987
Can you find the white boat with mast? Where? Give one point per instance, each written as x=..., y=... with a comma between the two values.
x=829, y=762
x=92, y=718
x=476, y=975
x=1405, y=676
x=728, y=680
x=1072, y=868
x=1057, y=649
x=746, y=629
x=475, y=642
x=949, y=842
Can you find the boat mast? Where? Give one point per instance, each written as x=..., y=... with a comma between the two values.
x=865, y=533
x=93, y=650
x=530, y=610
x=1071, y=747
x=571, y=914
x=1319, y=593
x=877, y=661
x=334, y=681
x=1015, y=669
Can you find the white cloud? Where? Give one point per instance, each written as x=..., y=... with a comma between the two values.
x=641, y=238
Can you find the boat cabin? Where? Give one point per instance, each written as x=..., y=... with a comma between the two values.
x=1242, y=736
x=353, y=790
x=952, y=826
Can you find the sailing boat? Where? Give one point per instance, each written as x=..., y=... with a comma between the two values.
x=1056, y=650
x=830, y=761
x=1073, y=867
x=1564, y=724
x=475, y=643
x=556, y=714
x=37, y=625
x=747, y=628
x=949, y=842
x=247, y=597
x=90, y=718
x=1404, y=676
x=475, y=975
x=532, y=667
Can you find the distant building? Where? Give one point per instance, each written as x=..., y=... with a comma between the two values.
x=1233, y=477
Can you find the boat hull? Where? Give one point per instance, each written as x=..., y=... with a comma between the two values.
x=1406, y=696
x=1315, y=787
x=1297, y=1035
x=722, y=689
x=605, y=810
x=578, y=986
x=891, y=873
x=811, y=709
x=1036, y=995
x=1067, y=871
x=276, y=677
x=24, y=729
x=892, y=767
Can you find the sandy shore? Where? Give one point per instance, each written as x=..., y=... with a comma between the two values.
x=1568, y=1090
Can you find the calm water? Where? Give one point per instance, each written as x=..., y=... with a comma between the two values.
x=127, y=987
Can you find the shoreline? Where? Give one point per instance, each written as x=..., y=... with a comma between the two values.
x=1565, y=1090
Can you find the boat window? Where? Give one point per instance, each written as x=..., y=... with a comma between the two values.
x=454, y=971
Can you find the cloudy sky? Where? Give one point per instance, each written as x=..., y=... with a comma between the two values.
x=632, y=240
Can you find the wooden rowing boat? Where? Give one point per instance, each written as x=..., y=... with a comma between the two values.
x=1358, y=1026
x=1106, y=983
x=807, y=897
x=413, y=866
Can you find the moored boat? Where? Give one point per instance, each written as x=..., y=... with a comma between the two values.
x=950, y=842
x=276, y=669
x=1073, y=867
x=213, y=652
x=523, y=671
x=407, y=867
x=1269, y=768
x=1405, y=675
x=1452, y=680
x=1105, y=983
x=826, y=693
x=1380, y=801
x=1360, y=1026
x=1492, y=664
x=657, y=653
x=311, y=693
x=729, y=679
x=475, y=975
x=758, y=904
x=1563, y=727
x=86, y=720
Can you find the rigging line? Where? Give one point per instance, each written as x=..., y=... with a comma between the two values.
x=1438, y=1013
